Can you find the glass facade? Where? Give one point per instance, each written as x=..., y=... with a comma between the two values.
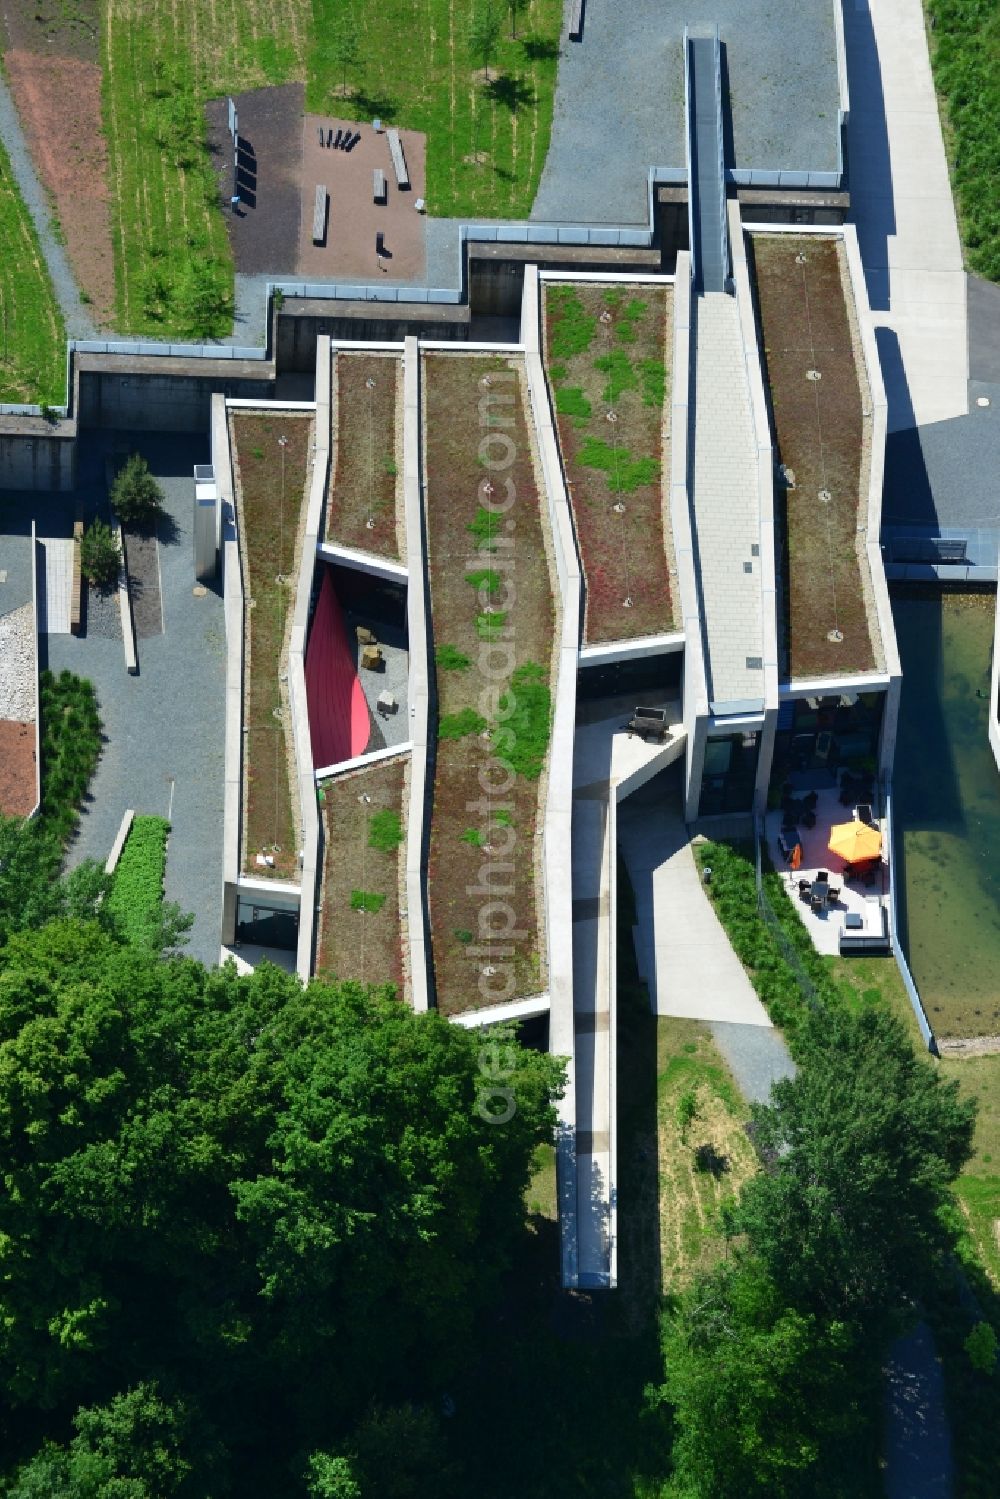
x=729, y=773
x=825, y=733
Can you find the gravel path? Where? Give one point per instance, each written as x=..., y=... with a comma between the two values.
x=17, y=665
x=79, y=323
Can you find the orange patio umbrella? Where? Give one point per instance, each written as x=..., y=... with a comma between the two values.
x=796, y=859
x=855, y=842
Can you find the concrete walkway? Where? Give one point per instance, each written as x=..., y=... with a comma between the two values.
x=683, y=953
x=79, y=323
x=724, y=506
x=902, y=204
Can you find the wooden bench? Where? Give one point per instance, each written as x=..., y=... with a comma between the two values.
x=378, y=185
x=398, y=159
x=319, y=216
x=576, y=20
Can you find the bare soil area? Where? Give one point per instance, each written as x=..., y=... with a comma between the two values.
x=17, y=768
x=820, y=428
x=367, y=463
x=354, y=217
x=264, y=230
x=354, y=943
x=52, y=28
x=59, y=101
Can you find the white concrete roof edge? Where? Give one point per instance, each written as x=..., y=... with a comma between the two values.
x=515, y=1009
x=359, y=762
x=268, y=408
x=366, y=562
x=638, y=278
x=419, y=679
x=872, y=681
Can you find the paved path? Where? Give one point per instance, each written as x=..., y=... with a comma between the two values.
x=164, y=729
x=684, y=954
x=57, y=589
x=918, y=1443
x=902, y=204
x=724, y=504
x=79, y=323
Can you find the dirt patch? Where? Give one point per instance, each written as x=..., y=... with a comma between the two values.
x=354, y=218
x=17, y=768
x=972, y=1046
x=630, y=586
x=820, y=431
x=367, y=457
x=264, y=231
x=360, y=856
x=53, y=28
x=59, y=101
x=270, y=511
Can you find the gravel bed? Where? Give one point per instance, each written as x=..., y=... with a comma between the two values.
x=17, y=665
x=102, y=616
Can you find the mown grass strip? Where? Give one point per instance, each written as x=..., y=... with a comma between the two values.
x=161, y=63
x=32, y=333
x=965, y=55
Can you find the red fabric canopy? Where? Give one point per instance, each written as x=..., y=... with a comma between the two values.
x=339, y=722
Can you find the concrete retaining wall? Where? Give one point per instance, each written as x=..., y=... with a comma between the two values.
x=125, y=607
x=36, y=455
x=994, y=719
x=298, y=706
x=37, y=568
x=880, y=418
x=418, y=687
x=116, y=848
x=558, y=823
x=301, y=322
x=695, y=689
x=154, y=394
x=232, y=580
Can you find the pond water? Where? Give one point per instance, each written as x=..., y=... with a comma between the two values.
x=947, y=799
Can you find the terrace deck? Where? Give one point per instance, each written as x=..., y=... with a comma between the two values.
x=492, y=622
x=814, y=367
x=363, y=833
x=608, y=354
x=364, y=498
x=272, y=481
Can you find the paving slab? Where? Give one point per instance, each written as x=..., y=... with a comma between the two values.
x=902, y=205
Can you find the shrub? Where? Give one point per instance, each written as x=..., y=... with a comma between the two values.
x=458, y=725
x=572, y=327
x=385, y=830
x=70, y=744
x=135, y=494
x=484, y=577
x=625, y=473
x=367, y=900
x=571, y=401
x=654, y=381
x=485, y=528
x=100, y=557
x=135, y=901
x=525, y=711
x=450, y=658
x=621, y=375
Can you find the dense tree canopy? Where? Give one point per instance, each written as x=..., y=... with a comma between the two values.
x=772, y=1362
x=278, y=1203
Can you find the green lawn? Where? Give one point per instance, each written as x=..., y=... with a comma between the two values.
x=965, y=54
x=486, y=139
x=32, y=335
x=161, y=61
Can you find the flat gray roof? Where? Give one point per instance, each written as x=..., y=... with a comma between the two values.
x=620, y=99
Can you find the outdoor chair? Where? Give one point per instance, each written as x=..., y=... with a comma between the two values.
x=822, y=876
x=864, y=813
x=832, y=895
